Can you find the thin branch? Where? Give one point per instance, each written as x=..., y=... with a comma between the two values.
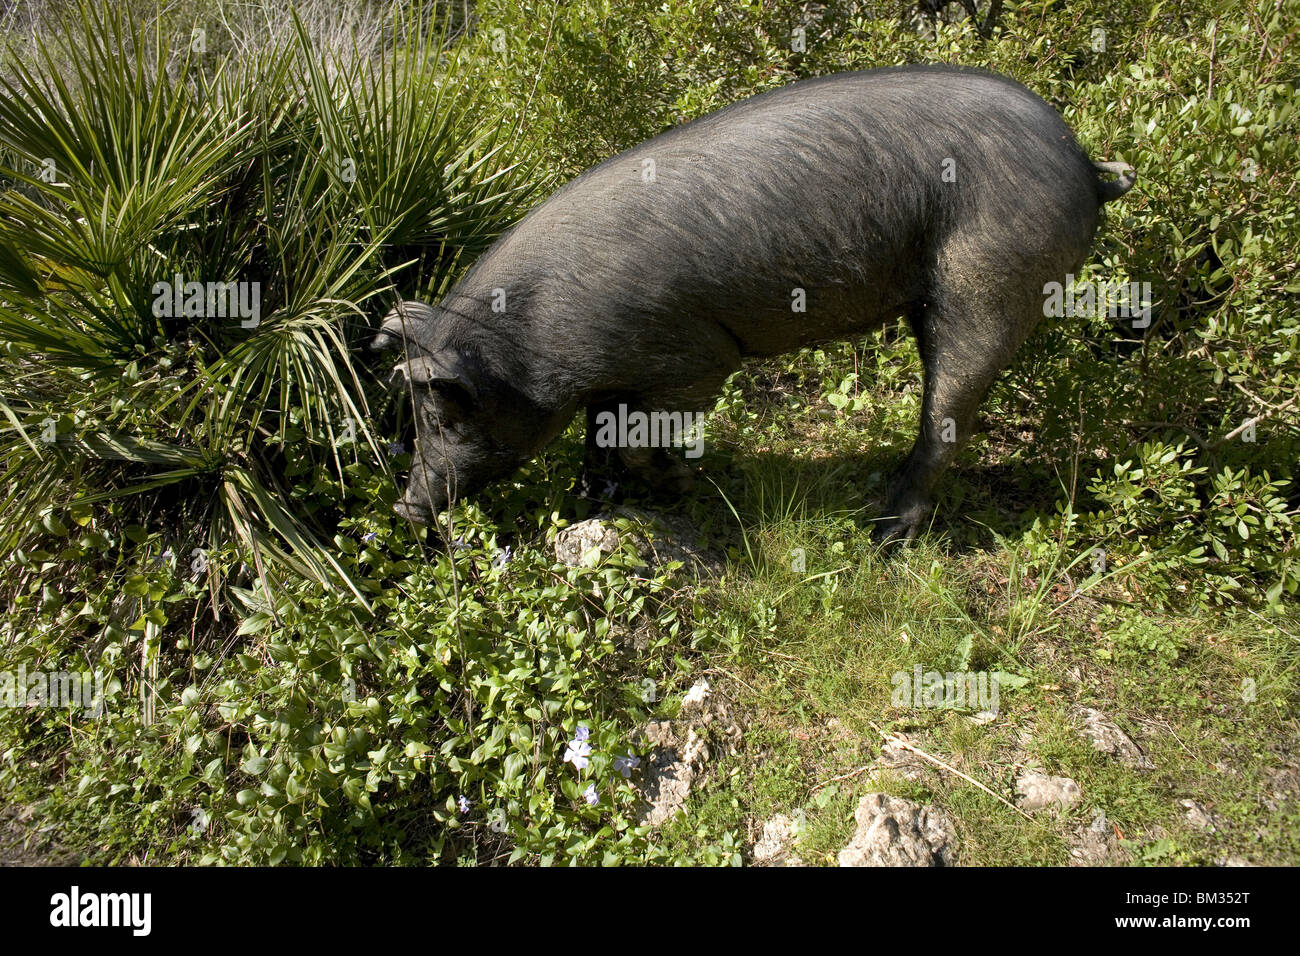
x=1251, y=422
x=939, y=763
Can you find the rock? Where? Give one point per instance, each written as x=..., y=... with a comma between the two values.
x=1107, y=738
x=896, y=832
x=1200, y=816
x=696, y=698
x=585, y=543
x=1095, y=844
x=660, y=734
x=1038, y=790
x=776, y=845
x=681, y=751
x=670, y=773
x=662, y=538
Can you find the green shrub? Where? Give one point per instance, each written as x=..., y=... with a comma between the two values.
x=1191, y=540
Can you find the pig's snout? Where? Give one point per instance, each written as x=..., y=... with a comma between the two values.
x=413, y=511
x=419, y=508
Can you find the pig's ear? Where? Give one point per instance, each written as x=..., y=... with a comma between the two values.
x=399, y=321
x=449, y=367
x=389, y=335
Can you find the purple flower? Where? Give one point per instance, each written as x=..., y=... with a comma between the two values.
x=460, y=544
x=590, y=795
x=369, y=537
x=578, y=753
x=396, y=448
x=501, y=558
x=625, y=765
x=463, y=804
x=583, y=733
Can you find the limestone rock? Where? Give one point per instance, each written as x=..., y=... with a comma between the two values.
x=896, y=832
x=1107, y=738
x=775, y=847
x=586, y=542
x=682, y=750
x=1095, y=844
x=1200, y=816
x=665, y=538
x=1038, y=791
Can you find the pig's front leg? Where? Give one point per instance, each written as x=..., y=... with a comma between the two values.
x=687, y=384
x=603, y=470
x=608, y=466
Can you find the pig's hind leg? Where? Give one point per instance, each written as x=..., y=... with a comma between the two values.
x=974, y=318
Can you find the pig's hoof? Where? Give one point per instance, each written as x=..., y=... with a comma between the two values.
x=900, y=526
x=892, y=534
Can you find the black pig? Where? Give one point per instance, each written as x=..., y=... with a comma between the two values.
x=947, y=195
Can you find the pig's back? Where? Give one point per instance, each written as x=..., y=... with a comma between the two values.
x=833, y=189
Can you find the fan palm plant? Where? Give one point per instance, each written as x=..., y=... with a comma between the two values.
x=135, y=176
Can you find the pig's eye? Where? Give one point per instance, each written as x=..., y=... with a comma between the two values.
x=437, y=419
x=453, y=393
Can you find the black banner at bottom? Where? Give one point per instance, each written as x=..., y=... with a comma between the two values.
x=335, y=906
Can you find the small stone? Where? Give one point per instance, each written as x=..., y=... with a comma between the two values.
x=667, y=784
x=585, y=543
x=682, y=751
x=1038, y=790
x=775, y=847
x=660, y=733
x=659, y=540
x=1107, y=738
x=694, y=700
x=1200, y=816
x=1095, y=844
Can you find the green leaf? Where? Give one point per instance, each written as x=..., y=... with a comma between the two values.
x=254, y=765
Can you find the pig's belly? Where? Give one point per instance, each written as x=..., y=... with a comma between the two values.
x=786, y=311
x=761, y=336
